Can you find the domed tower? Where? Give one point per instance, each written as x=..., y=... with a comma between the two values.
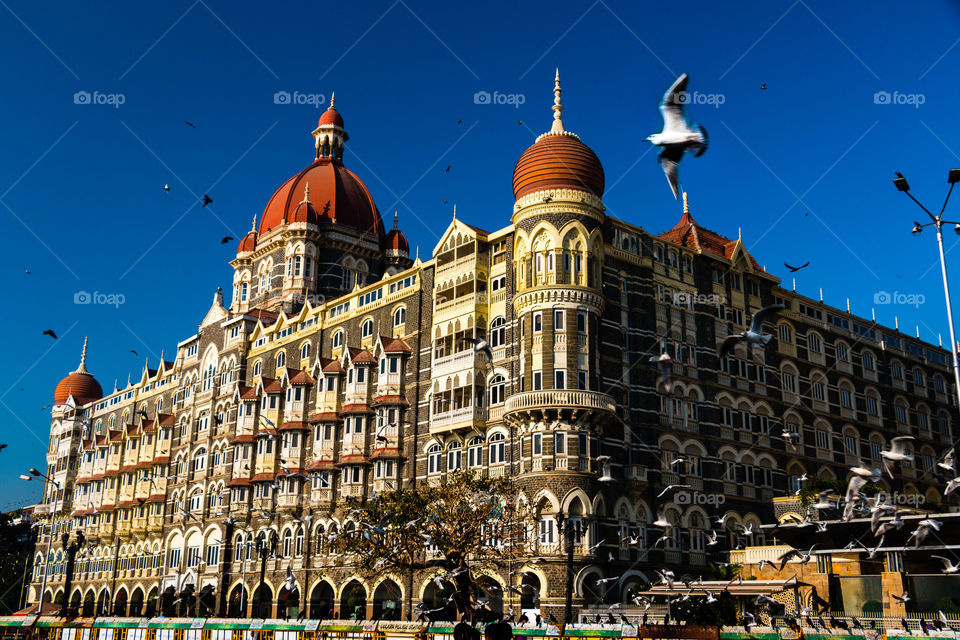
x=80, y=385
x=396, y=249
x=558, y=216
x=319, y=236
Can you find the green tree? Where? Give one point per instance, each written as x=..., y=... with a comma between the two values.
x=463, y=526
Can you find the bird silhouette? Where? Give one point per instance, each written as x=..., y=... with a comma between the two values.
x=166, y=188
x=763, y=87
x=50, y=332
x=27, y=271
x=447, y=170
x=207, y=199
x=133, y=351
x=190, y=124
x=795, y=269
x=226, y=239
x=459, y=121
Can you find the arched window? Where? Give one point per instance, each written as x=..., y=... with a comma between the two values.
x=281, y=359
x=869, y=363
x=498, y=385
x=200, y=460
x=843, y=352
x=196, y=502
x=785, y=333
x=918, y=378
x=434, y=457
x=256, y=368
x=498, y=332
x=287, y=543
x=337, y=339
x=454, y=456
x=475, y=452
x=498, y=449
x=814, y=343
x=298, y=548
x=366, y=329
x=399, y=316
x=305, y=351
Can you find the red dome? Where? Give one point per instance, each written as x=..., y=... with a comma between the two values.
x=248, y=243
x=558, y=161
x=336, y=194
x=331, y=116
x=396, y=241
x=81, y=386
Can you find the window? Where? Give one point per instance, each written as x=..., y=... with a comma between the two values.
x=559, y=379
x=869, y=363
x=454, y=456
x=337, y=339
x=938, y=384
x=846, y=398
x=814, y=343
x=546, y=535
x=786, y=333
x=256, y=368
x=475, y=452
x=559, y=443
x=537, y=322
x=366, y=329
x=281, y=359
x=497, y=448
x=498, y=386
x=581, y=379
x=819, y=390
x=559, y=318
x=537, y=446
x=399, y=316
x=918, y=378
x=789, y=381
x=843, y=352
x=850, y=444
x=305, y=351
x=537, y=380
x=434, y=455
x=872, y=407
x=823, y=439
x=498, y=332
x=901, y=414
x=896, y=370
x=581, y=322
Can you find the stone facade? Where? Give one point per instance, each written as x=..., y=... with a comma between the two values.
x=323, y=385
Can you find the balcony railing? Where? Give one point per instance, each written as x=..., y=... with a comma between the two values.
x=464, y=414
x=560, y=399
x=454, y=362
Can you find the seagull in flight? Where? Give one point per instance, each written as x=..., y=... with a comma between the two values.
x=754, y=336
x=678, y=135
x=897, y=453
x=663, y=363
x=795, y=269
x=207, y=200
x=947, y=464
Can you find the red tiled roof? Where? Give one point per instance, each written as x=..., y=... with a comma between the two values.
x=294, y=426
x=166, y=419
x=239, y=482
x=394, y=345
x=158, y=497
x=319, y=465
x=332, y=366
x=264, y=316
x=361, y=356
x=689, y=234
x=126, y=503
x=244, y=437
x=292, y=470
x=356, y=408
x=386, y=452
x=110, y=473
x=328, y=416
x=131, y=429
x=116, y=436
x=390, y=400
x=101, y=440
x=161, y=460
x=353, y=458
x=148, y=425
x=271, y=385
x=247, y=393
x=263, y=477
x=301, y=377
x=129, y=467
x=106, y=507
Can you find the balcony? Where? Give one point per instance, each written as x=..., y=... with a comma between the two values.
x=460, y=361
x=459, y=306
x=457, y=418
x=574, y=402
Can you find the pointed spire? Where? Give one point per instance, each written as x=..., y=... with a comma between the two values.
x=83, y=358
x=306, y=193
x=396, y=220
x=454, y=210
x=333, y=99
x=254, y=226
x=686, y=204
x=557, y=126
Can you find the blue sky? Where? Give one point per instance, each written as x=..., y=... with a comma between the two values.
x=804, y=167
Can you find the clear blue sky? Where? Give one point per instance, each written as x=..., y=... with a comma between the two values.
x=83, y=208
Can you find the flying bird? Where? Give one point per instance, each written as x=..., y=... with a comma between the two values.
x=754, y=336
x=134, y=352
x=27, y=271
x=795, y=269
x=677, y=135
x=901, y=598
x=948, y=567
x=947, y=464
x=447, y=170
x=226, y=239
x=190, y=124
x=50, y=332
x=897, y=453
x=763, y=87
x=207, y=199
x=166, y=188
x=663, y=363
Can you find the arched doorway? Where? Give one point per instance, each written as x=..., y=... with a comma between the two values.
x=120, y=603
x=490, y=591
x=150, y=610
x=530, y=595
x=321, y=601
x=169, y=596
x=75, y=601
x=435, y=598
x=239, y=599
x=103, y=602
x=262, y=602
x=207, y=601
x=89, y=602
x=58, y=599
x=353, y=602
x=387, y=601
x=136, y=602
x=288, y=602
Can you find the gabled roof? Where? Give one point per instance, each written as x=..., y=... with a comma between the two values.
x=361, y=356
x=688, y=233
x=459, y=225
x=301, y=377
x=394, y=345
x=331, y=366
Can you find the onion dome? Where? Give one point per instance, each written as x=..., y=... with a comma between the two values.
x=335, y=194
x=80, y=384
x=558, y=160
x=249, y=242
x=396, y=243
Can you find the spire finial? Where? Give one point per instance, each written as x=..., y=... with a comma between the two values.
x=333, y=99
x=557, y=126
x=396, y=220
x=253, y=227
x=686, y=204
x=83, y=358
x=739, y=233
x=306, y=193
x=454, y=210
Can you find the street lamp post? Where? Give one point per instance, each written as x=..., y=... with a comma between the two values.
x=46, y=565
x=937, y=221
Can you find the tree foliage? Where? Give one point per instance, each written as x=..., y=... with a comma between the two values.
x=463, y=526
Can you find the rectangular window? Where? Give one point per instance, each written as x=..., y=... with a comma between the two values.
x=823, y=440
x=559, y=443
x=537, y=322
x=558, y=320
x=537, y=380
x=537, y=444
x=581, y=379
x=559, y=379
x=581, y=322
x=850, y=445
